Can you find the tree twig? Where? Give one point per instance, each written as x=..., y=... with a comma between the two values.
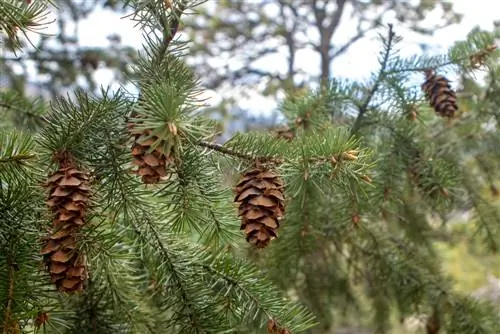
x=380, y=77
x=7, y=326
x=170, y=28
x=18, y=158
x=227, y=151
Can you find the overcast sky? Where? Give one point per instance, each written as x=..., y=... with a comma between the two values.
x=357, y=63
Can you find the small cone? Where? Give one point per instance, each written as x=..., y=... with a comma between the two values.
x=259, y=195
x=68, y=199
x=274, y=328
x=149, y=156
x=286, y=133
x=440, y=94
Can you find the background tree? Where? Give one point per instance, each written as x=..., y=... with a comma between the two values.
x=231, y=38
x=356, y=205
x=54, y=64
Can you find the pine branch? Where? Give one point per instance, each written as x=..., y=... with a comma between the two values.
x=227, y=151
x=170, y=27
x=17, y=158
x=159, y=48
x=378, y=81
x=19, y=16
x=7, y=323
x=22, y=112
x=178, y=282
x=259, y=299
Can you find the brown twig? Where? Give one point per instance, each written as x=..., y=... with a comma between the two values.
x=7, y=326
x=170, y=28
x=363, y=109
x=348, y=156
x=227, y=151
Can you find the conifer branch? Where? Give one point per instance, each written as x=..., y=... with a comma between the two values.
x=347, y=156
x=177, y=281
x=232, y=281
x=378, y=81
x=28, y=113
x=170, y=27
x=7, y=326
x=259, y=299
x=18, y=158
x=227, y=151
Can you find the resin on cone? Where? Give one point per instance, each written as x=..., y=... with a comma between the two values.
x=149, y=156
x=440, y=95
x=259, y=195
x=68, y=199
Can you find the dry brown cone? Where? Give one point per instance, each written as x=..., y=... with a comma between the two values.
x=149, y=155
x=274, y=328
x=440, y=94
x=259, y=195
x=68, y=198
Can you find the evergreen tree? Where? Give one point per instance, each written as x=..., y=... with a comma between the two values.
x=116, y=213
x=250, y=31
x=57, y=62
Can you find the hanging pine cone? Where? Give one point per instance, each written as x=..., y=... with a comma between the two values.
x=259, y=195
x=150, y=155
x=440, y=94
x=68, y=199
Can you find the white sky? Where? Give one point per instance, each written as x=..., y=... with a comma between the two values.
x=357, y=63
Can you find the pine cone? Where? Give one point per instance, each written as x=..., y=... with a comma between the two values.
x=259, y=194
x=149, y=155
x=440, y=94
x=274, y=328
x=286, y=133
x=68, y=200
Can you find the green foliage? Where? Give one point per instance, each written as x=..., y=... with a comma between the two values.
x=17, y=15
x=368, y=173
x=20, y=112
